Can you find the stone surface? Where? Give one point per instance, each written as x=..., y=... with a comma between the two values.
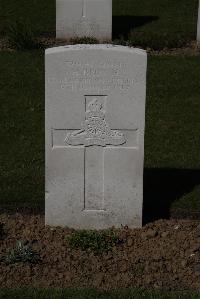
x=198, y=25
x=79, y=18
x=95, y=116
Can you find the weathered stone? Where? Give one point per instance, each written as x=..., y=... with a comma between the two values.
x=95, y=112
x=84, y=18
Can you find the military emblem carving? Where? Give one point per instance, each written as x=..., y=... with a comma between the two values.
x=95, y=130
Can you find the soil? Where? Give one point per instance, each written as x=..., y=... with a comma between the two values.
x=162, y=255
x=191, y=49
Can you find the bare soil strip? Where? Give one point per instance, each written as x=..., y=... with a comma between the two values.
x=162, y=255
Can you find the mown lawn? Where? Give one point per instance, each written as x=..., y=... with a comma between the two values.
x=152, y=23
x=92, y=294
x=22, y=127
x=172, y=156
x=155, y=23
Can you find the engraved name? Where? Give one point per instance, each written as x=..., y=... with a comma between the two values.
x=91, y=77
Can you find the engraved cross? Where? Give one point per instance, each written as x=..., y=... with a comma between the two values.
x=95, y=136
x=83, y=8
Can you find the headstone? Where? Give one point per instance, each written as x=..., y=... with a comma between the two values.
x=80, y=18
x=198, y=25
x=95, y=116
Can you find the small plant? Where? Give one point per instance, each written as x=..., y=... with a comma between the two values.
x=84, y=40
x=22, y=253
x=21, y=37
x=97, y=241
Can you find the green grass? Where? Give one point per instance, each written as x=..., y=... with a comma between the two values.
x=22, y=127
x=152, y=23
x=21, y=37
x=96, y=241
x=172, y=132
x=190, y=200
x=91, y=294
x=156, y=23
x=171, y=137
x=39, y=14
x=172, y=119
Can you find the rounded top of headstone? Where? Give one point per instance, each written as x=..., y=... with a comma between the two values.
x=95, y=47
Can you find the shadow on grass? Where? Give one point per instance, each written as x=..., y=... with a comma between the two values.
x=164, y=186
x=122, y=25
x=167, y=193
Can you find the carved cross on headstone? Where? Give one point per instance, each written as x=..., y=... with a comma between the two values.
x=83, y=8
x=94, y=136
x=80, y=18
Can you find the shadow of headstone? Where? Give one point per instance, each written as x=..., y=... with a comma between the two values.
x=122, y=25
x=162, y=187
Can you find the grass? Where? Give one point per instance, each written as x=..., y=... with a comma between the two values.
x=92, y=294
x=96, y=241
x=171, y=137
x=22, y=127
x=172, y=134
x=172, y=120
x=155, y=23
x=152, y=23
x=41, y=14
x=22, y=37
x=191, y=200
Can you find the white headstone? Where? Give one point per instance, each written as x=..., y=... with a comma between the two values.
x=95, y=116
x=198, y=25
x=80, y=18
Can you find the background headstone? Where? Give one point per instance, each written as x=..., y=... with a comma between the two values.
x=198, y=25
x=95, y=116
x=80, y=18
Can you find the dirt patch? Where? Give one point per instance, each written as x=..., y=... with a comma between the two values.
x=161, y=255
x=191, y=49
